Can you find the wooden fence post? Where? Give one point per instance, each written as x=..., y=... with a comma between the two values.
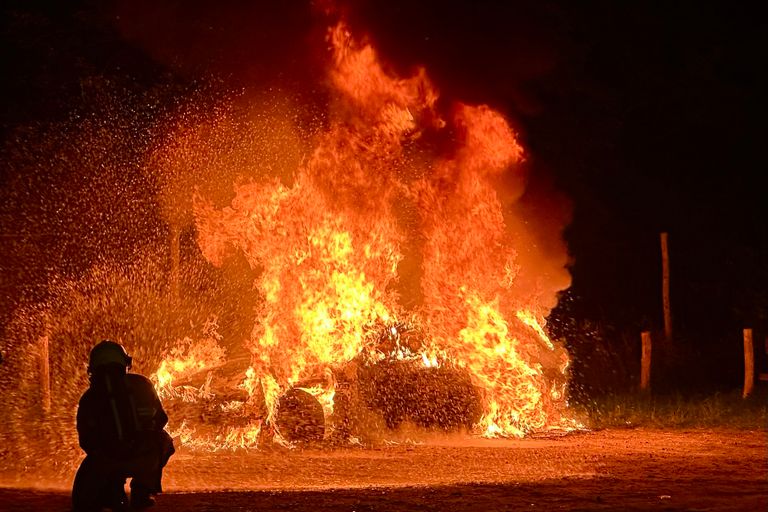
x=749, y=364
x=665, y=288
x=764, y=376
x=645, y=362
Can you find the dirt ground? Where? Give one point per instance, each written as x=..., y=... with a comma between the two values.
x=605, y=470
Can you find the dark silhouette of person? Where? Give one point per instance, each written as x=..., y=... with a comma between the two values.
x=120, y=426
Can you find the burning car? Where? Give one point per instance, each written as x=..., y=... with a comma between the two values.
x=399, y=200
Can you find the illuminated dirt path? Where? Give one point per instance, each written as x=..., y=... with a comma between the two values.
x=607, y=470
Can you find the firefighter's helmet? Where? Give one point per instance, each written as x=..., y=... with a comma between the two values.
x=107, y=352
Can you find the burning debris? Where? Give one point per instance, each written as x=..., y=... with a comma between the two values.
x=327, y=246
x=300, y=417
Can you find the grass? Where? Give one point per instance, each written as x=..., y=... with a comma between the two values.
x=720, y=410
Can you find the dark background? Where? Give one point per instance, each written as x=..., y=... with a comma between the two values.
x=649, y=116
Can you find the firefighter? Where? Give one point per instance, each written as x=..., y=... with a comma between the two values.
x=120, y=426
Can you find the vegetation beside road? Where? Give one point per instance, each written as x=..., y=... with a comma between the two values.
x=719, y=410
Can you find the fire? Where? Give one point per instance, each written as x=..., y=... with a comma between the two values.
x=182, y=363
x=530, y=320
x=330, y=243
x=189, y=358
x=513, y=384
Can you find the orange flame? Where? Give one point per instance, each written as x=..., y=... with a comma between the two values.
x=329, y=247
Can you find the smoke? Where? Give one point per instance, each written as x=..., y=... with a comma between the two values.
x=248, y=43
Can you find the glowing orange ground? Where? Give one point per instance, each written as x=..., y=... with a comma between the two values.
x=607, y=470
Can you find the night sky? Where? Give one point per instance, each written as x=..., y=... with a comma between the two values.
x=649, y=117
